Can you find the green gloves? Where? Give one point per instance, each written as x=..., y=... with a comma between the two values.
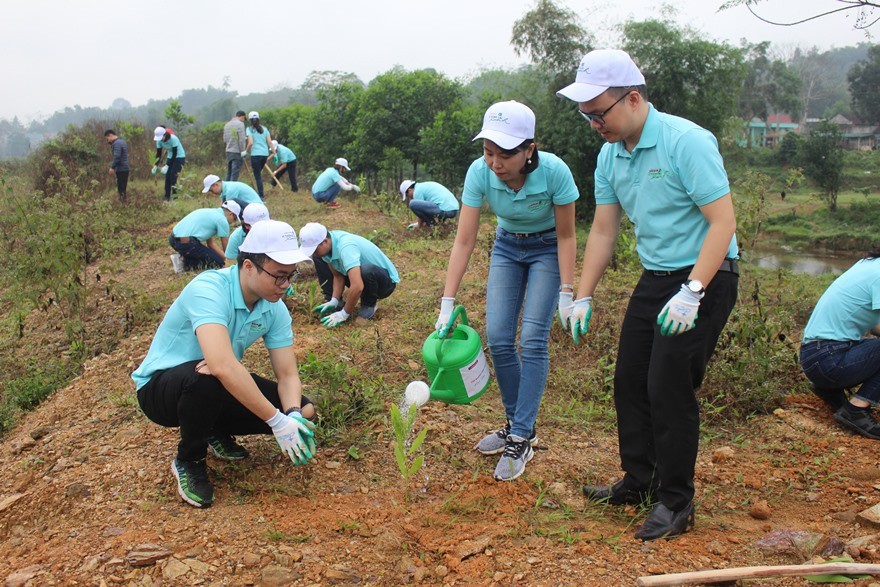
x=680, y=313
x=326, y=307
x=579, y=319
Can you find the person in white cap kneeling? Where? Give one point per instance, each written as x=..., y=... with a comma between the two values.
x=429, y=201
x=347, y=260
x=192, y=376
x=230, y=190
x=330, y=183
x=250, y=215
x=193, y=237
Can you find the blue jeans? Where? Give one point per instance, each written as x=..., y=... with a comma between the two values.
x=838, y=364
x=328, y=195
x=257, y=164
x=233, y=166
x=429, y=212
x=523, y=277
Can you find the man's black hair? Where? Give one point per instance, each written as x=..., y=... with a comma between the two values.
x=108, y=132
x=240, y=113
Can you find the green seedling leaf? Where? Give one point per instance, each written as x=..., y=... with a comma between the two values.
x=416, y=465
x=418, y=441
x=354, y=452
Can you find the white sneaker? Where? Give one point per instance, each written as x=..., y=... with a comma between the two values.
x=177, y=263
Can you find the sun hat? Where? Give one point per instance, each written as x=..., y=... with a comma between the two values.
x=344, y=162
x=209, y=181
x=275, y=239
x=253, y=114
x=405, y=185
x=233, y=207
x=254, y=212
x=599, y=70
x=311, y=235
x=508, y=124
x=158, y=133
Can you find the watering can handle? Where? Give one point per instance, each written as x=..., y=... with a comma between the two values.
x=458, y=312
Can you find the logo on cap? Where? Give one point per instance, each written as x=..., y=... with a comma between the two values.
x=499, y=117
x=584, y=68
x=289, y=236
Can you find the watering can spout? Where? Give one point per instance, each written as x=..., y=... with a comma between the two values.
x=456, y=364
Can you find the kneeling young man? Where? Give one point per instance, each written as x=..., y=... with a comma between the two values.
x=192, y=376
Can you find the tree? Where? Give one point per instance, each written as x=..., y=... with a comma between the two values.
x=864, y=12
x=446, y=144
x=821, y=156
x=317, y=80
x=551, y=35
x=769, y=87
x=174, y=114
x=864, y=86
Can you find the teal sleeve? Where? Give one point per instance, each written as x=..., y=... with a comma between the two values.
x=700, y=167
x=474, y=185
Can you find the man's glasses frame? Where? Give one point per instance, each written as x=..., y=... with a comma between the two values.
x=600, y=118
x=280, y=280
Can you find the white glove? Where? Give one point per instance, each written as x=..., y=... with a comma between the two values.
x=164, y=170
x=442, y=325
x=244, y=154
x=356, y=189
x=680, y=313
x=579, y=320
x=335, y=319
x=155, y=169
x=291, y=433
x=564, y=307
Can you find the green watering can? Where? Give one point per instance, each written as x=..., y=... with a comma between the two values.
x=456, y=364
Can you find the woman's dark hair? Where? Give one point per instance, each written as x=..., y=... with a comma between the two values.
x=874, y=253
x=256, y=258
x=532, y=162
x=255, y=122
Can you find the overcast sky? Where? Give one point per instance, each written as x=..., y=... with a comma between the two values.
x=88, y=52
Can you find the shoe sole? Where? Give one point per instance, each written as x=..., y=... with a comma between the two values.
x=529, y=458
x=532, y=442
x=225, y=457
x=847, y=424
x=183, y=495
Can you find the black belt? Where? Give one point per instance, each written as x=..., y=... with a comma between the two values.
x=527, y=234
x=183, y=239
x=727, y=265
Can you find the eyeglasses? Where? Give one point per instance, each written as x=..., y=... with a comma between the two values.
x=280, y=280
x=600, y=118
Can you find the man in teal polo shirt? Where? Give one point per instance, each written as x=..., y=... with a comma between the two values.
x=285, y=162
x=343, y=259
x=228, y=190
x=666, y=173
x=250, y=215
x=193, y=237
x=330, y=183
x=192, y=376
x=429, y=201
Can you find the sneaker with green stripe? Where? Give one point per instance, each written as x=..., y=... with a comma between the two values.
x=225, y=447
x=192, y=482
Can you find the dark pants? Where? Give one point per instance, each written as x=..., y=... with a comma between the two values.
x=122, y=183
x=658, y=417
x=202, y=407
x=290, y=170
x=174, y=168
x=833, y=365
x=377, y=282
x=196, y=255
x=257, y=164
x=233, y=166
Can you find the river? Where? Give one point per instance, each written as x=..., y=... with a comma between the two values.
x=813, y=263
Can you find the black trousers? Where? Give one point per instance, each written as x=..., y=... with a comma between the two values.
x=201, y=407
x=122, y=183
x=290, y=170
x=377, y=282
x=658, y=417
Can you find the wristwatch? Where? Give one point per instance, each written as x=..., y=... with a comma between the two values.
x=696, y=286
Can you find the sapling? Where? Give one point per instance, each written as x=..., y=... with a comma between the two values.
x=403, y=449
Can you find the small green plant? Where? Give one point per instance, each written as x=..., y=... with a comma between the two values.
x=403, y=449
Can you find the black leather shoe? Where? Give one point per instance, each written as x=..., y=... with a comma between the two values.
x=617, y=494
x=858, y=419
x=662, y=522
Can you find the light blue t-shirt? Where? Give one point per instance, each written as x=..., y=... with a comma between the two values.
x=283, y=154
x=260, y=148
x=850, y=306
x=432, y=191
x=350, y=250
x=235, y=240
x=203, y=224
x=168, y=145
x=240, y=191
x=213, y=297
x=531, y=208
x=327, y=178
x=673, y=170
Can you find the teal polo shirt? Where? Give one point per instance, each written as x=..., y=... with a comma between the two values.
x=202, y=224
x=260, y=148
x=170, y=144
x=432, y=191
x=350, y=251
x=213, y=297
x=850, y=307
x=241, y=191
x=327, y=178
x=531, y=208
x=283, y=155
x=673, y=170
x=234, y=242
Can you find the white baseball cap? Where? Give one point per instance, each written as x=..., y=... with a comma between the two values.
x=311, y=235
x=508, y=124
x=599, y=70
x=233, y=207
x=253, y=114
x=344, y=162
x=275, y=239
x=209, y=181
x=274, y=143
x=254, y=212
x=405, y=185
x=158, y=133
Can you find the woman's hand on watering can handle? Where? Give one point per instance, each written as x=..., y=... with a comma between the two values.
x=442, y=325
x=580, y=317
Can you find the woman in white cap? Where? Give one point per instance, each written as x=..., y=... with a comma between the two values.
x=259, y=144
x=532, y=193
x=330, y=183
x=175, y=157
x=285, y=162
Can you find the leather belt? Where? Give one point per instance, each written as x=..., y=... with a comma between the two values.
x=183, y=239
x=527, y=234
x=727, y=266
